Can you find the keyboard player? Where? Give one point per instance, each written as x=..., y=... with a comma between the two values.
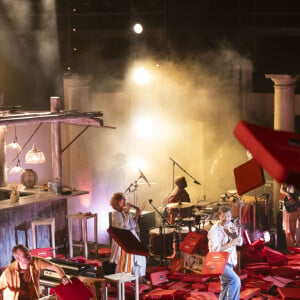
x=20, y=280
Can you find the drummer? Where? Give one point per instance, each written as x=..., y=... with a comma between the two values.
x=179, y=194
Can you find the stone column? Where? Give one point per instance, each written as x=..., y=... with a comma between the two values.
x=284, y=116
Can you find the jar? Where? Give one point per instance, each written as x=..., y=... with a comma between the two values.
x=29, y=178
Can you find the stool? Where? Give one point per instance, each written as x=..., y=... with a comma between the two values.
x=40, y=222
x=22, y=227
x=121, y=278
x=83, y=243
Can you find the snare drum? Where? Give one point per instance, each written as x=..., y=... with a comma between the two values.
x=161, y=243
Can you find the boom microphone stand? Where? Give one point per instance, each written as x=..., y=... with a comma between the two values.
x=177, y=164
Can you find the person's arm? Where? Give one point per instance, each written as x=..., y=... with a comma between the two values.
x=3, y=280
x=45, y=264
x=235, y=242
x=64, y=279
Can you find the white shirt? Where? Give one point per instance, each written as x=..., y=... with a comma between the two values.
x=217, y=237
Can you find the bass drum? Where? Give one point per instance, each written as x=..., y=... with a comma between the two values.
x=161, y=243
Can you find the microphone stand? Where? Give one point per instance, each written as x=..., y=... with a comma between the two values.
x=175, y=163
x=162, y=232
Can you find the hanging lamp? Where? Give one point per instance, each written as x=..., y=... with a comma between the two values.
x=34, y=156
x=14, y=145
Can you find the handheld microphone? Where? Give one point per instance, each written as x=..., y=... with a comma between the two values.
x=150, y=201
x=197, y=182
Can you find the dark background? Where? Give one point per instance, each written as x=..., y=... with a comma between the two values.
x=267, y=32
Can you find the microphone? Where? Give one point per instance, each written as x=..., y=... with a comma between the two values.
x=197, y=182
x=150, y=201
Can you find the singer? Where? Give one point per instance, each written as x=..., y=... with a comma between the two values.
x=223, y=236
x=122, y=218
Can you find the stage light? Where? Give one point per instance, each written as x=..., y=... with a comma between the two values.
x=144, y=128
x=137, y=163
x=137, y=28
x=141, y=76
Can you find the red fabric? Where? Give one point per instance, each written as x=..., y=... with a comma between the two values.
x=200, y=286
x=192, y=277
x=75, y=290
x=214, y=286
x=160, y=294
x=258, y=244
x=78, y=259
x=274, y=150
x=275, y=258
x=248, y=293
x=248, y=176
x=289, y=293
x=175, y=276
x=202, y=296
x=260, y=269
x=294, y=249
x=291, y=256
x=286, y=272
x=94, y=262
x=102, y=251
x=258, y=283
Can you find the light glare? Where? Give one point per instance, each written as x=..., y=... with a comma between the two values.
x=138, y=28
x=141, y=76
x=144, y=128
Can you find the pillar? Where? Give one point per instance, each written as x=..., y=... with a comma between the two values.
x=284, y=116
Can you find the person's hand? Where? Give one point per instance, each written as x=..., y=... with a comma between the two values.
x=236, y=241
x=65, y=280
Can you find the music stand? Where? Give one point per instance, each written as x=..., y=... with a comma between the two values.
x=127, y=241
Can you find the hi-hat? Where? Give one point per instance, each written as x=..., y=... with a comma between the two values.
x=179, y=205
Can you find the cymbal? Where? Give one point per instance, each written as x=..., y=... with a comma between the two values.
x=144, y=177
x=179, y=205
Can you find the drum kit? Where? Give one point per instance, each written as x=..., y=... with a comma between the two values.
x=164, y=241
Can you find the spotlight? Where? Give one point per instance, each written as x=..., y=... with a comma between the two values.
x=137, y=163
x=137, y=28
x=141, y=76
x=144, y=128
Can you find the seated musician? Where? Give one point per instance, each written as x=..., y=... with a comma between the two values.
x=291, y=213
x=179, y=194
x=20, y=280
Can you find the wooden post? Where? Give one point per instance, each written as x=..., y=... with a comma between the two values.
x=56, y=145
x=3, y=175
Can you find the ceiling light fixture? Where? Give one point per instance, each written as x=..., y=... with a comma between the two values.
x=34, y=156
x=14, y=145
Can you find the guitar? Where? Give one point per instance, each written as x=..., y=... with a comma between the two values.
x=291, y=204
